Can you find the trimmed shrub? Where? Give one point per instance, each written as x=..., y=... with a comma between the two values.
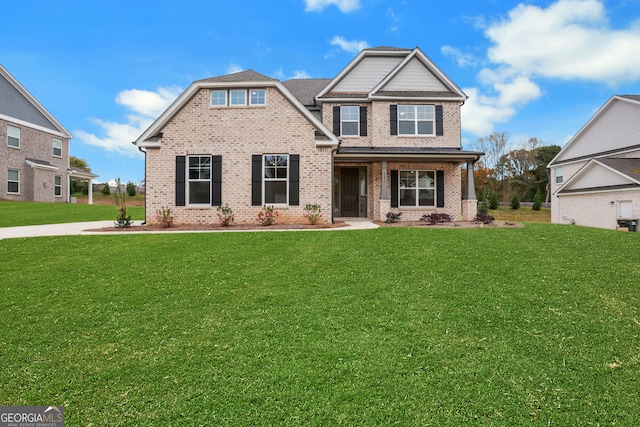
x=537, y=201
x=515, y=202
x=484, y=218
x=435, y=217
x=131, y=189
x=494, y=202
x=105, y=189
x=393, y=217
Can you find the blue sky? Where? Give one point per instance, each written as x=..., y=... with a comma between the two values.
x=106, y=70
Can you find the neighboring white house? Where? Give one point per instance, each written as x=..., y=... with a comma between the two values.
x=595, y=178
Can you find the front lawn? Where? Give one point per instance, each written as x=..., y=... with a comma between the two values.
x=14, y=214
x=395, y=326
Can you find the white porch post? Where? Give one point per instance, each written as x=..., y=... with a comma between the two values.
x=90, y=201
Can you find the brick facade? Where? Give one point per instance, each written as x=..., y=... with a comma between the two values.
x=36, y=183
x=237, y=133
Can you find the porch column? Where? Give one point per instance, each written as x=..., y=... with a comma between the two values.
x=384, y=194
x=471, y=185
x=90, y=201
x=469, y=202
x=385, y=200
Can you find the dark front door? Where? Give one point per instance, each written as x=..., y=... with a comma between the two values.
x=349, y=191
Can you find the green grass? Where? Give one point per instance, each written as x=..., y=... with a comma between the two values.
x=395, y=326
x=14, y=214
x=524, y=214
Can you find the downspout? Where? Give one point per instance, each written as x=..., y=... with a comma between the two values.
x=145, y=183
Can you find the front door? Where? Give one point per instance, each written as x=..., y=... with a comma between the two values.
x=349, y=179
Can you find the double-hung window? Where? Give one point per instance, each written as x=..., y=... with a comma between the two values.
x=13, y=136
x=219, y=98
x=276, y=173
x=57, y=185
x=57, y=147
x=199, y=180
x=559, y=176
x=416, y=120
x=257, y=97
x=238, y=97
x=417, y=188
x=350, y=120
x=13, y=181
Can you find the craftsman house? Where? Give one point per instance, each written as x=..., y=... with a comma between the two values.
x=595, y=178
x=382, y=136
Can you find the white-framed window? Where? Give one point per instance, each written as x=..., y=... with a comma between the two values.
x=257, y=97
x=237, y=97
x=417, y=188
x=199, y=180
x=57, y=147
x=559, y=176
x=276, y=182
x=57, y=185
x=349, y=120
x=13, y=136
x=13, y=181
x=219, y=98
x=416, y=120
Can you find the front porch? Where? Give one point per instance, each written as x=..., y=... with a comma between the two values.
x=369, y=183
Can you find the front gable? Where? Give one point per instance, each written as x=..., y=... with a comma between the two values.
x=19, y=106
x=615, y=128
x=604, y=175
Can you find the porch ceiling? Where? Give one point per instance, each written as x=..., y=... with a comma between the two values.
x=405, y=154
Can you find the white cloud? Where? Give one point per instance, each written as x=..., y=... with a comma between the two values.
x=481, y=112
x=569, y=39
x=117, y=137
x=344, y=5
x=234, y=68
x=351, y=46
x=300, y=74
x=462, y=59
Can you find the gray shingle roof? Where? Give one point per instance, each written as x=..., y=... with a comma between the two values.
x=633, y=97
x=629, y=167
x=306, y=89
x=242, y=76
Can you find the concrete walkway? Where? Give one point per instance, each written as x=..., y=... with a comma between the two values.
x=81, y=228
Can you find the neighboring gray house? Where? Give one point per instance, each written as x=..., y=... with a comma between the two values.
x=34, y=148
x=595, y=178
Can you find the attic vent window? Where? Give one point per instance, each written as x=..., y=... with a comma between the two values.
x=238, y=97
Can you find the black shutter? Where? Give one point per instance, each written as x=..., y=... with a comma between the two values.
x=336, y=121
x=180, y=180
x=439, y=125
x=256, y=180
x=294, y=179
x=363, y=121
x=216, y=180
x=440, y=189
x=393, y=119
x=394, y=188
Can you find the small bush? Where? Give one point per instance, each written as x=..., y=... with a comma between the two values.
x=312, y=213
x=393, y=217
x=435, y=217
x=515, y=202
x=267, y=216
x=494, y=202
x=483, y=206
x=225, y=215
x=105, y=189
x=123, y=219
x=484, y=218
x=131, y=189
x=165, y=217
x=537, y=201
